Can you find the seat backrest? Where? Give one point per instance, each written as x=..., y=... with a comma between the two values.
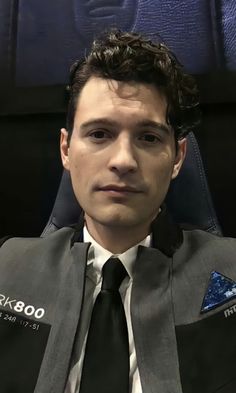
x=188, y=198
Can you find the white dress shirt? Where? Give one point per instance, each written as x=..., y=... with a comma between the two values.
x=97, y=256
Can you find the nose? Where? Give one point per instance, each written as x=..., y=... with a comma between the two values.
x=123, y=159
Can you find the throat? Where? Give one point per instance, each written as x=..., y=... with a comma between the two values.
x=114, y=239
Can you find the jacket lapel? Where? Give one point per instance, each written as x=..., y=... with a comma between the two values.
x=54, y=370
x=152, y=309
x=153, y=323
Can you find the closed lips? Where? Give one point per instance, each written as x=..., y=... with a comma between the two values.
x=112, y=187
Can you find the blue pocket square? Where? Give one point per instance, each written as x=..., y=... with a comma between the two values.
x=220, y=290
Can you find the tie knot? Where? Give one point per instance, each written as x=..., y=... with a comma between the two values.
x=114, y=273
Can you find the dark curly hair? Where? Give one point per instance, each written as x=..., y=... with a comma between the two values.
x=128, y=57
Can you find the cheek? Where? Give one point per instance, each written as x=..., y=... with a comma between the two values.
x=78, y=160
x=160, y=169
x=78, y=169
x=83, y=171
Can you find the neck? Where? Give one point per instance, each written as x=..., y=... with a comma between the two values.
x=116, y=239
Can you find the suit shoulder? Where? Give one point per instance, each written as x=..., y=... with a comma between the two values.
x=4, y=239
x=208, y=245
x=201, y=236
x=17, y=244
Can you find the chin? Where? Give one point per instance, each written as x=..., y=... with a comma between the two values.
x=123, y=218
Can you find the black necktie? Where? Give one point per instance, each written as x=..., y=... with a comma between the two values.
x=106, y=361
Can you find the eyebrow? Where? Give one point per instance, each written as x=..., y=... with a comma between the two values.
x=112, y=123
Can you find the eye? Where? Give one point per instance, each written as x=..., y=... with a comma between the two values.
x=99, y=135
x=150, y=138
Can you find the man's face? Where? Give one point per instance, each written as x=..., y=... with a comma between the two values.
x=122, y=154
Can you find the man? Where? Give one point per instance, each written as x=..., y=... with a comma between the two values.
x=66, y=324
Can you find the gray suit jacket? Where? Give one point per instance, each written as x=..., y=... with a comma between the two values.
x=179, y=349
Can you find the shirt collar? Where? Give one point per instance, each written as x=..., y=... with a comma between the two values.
x=98, y=255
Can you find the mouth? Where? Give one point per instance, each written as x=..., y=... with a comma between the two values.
x=116, y=190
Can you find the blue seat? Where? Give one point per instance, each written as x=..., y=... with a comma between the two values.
x=188, y=198
x=201, y=33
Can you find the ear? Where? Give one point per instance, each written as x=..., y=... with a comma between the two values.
x=180, y=156
x=64, y=148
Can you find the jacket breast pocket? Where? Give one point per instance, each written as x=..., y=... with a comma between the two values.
x=207, y=354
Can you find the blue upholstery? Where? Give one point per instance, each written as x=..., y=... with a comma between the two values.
x=5, y=38
x=229, y=32
x=39, y=40
x=188, y=198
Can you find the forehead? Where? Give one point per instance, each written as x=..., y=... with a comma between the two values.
x=104, y=97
